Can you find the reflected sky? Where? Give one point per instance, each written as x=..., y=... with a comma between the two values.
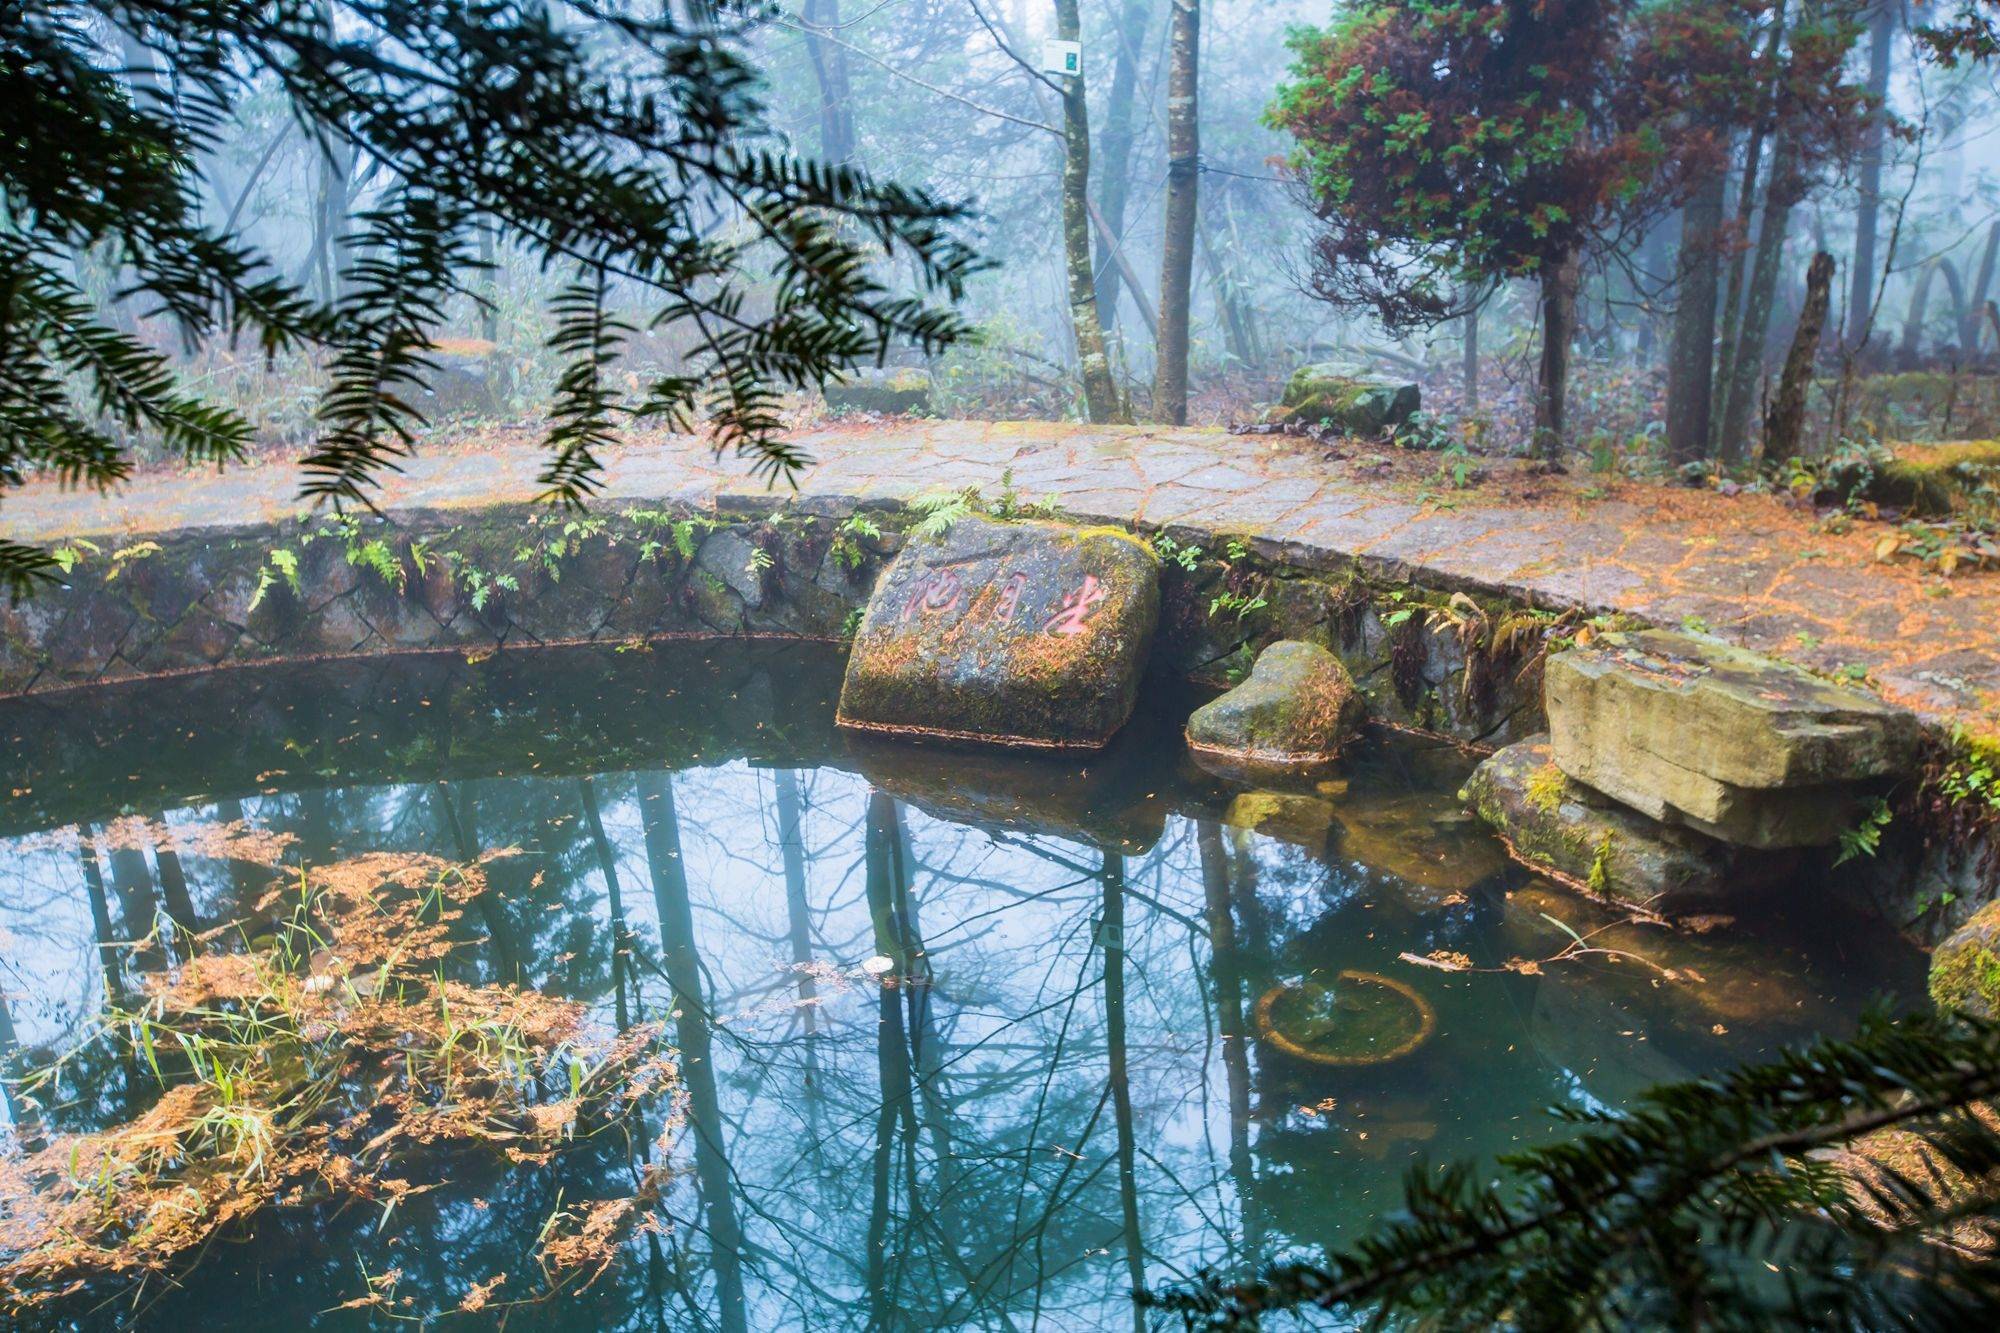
x=1053, y=1092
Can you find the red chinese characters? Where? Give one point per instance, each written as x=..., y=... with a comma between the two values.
x=1076, y=607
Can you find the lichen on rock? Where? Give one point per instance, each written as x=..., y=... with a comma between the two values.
x=1354, y=404
x=1296, y=710
x=1024, y=634
x=1965, y=969
x=1690, y=730
x=1572, y=834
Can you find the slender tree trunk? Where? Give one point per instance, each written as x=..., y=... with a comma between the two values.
x=1746, y=212
x=892, y=1056
x=1468, y=360
x=1788, y=410
x=1100, y=391
x=798, y=910
x=1235, y=324
x=1968, y=315
x=1170, y=375
x=607, y=866
x=1113, y=931
x=1861, y=282
x=1226, y=972
x=681, y=961
x=1913, y=319
x=100, y=911
x=173, y=884
x=1691, y=361
x=1781, y=195
x=493, y=912
x=1559, y=284
x=1115, y=177
x=836, y=98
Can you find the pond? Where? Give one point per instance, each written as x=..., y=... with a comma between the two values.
x=965, y=1041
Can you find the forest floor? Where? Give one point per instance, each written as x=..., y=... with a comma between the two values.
x=1758, y=569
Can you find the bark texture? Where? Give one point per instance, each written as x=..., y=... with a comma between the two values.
x=1787, y=415
x=1183, y=182
x=1690, y=362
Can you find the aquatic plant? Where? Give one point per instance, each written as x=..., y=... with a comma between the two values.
x=302, y=1057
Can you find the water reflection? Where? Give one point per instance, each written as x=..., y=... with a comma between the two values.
x=1050, y=1095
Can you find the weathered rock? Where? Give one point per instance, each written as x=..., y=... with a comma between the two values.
x=1693, y=731
x=890, y=392
x=1570, y=833
x=1965, y=970
x=1294, y=712
x=1351, y=403
x=1028, y=634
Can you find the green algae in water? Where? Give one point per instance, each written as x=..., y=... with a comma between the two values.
x=1354, y=1018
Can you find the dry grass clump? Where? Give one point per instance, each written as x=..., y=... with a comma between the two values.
x=310, y=1058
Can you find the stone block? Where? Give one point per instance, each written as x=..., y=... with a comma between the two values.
x=1693, y=731
x=1028, y=634
x=1572, y=834
x=1295, y=711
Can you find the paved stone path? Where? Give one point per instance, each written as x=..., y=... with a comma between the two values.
x=1750, y=568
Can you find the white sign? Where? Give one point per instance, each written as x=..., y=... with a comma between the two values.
x=1060, y=57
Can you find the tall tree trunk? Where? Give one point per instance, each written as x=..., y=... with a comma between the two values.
x=1113, y=933
x=1226, y=972
x=1468, y=360
x=836, y=98
x=1100, y=391
x=1691, y=361
x=892, y=1057
x=798, y=910
x=1968, y=315
x=1115, y=177
x=1861, y=282
x=1788, y=409
x=1559, y=284
x=1183, y=184
x=173, y=883
x=1235, y=324
x=681, y=961
x=1913, y=319
x=607, y=866
x=1746, y=212
x=1780, y=196
x=100, y=911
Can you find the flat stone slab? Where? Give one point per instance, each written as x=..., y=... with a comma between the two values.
x=1564, y=830
x=1691, y=730
x=1295, y=711
x=1020, y=634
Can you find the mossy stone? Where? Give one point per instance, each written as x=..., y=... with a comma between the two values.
x=1570, y=833
x=1354, y=404
x=1025, y=634
x=1691, y=730
x=1296, y=710
x=1965, y=970
x=904, y=391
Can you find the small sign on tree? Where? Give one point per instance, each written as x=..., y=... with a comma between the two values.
x=1060, y=57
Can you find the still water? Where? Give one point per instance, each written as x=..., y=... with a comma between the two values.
x=1061, y=1093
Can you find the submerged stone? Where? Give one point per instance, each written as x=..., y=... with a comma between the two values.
x=1965, y=970
x=1353, y=404
x=1295, y=711
x=1745, y=748
x=1353, y=1018
x=1570, y=833
x=1436, y=851
x=1286, y=816
x=1027, y=634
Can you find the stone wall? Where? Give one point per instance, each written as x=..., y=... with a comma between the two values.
x=428, y=580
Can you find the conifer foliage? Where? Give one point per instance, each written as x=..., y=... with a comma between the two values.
x=621, y=145
x=1720, y=1203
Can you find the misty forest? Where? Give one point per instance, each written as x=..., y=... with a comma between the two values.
x=1000, y=664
